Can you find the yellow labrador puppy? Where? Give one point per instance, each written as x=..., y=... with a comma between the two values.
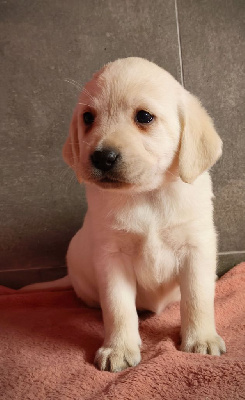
x=142, y=145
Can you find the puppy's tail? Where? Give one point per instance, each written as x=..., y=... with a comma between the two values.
x=62, y=283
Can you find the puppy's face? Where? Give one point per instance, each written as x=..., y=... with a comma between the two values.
x=126, y=128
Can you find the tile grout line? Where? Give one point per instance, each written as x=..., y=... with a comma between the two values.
x=224, y=253
x=32, y=269
x=179, y=43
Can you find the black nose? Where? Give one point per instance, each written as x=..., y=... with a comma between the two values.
x=104, y=160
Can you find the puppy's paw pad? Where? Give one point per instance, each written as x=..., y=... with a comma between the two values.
x=116, y=359
x=214, y=346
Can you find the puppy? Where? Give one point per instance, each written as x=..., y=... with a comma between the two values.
x=142, y=145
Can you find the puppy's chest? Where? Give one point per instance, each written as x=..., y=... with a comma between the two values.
x=152, y=246
x=155, y=261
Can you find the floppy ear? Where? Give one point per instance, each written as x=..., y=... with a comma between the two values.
x=200, y=145
x=71, y=148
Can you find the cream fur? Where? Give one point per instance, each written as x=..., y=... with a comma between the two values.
x=150, y=236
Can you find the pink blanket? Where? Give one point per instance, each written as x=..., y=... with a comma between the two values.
x=48, y=340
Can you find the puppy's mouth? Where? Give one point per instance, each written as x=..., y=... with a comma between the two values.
x=111, y=183
x=109, y=180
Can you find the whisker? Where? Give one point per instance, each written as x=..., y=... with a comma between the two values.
x=83, y=141
x=73, y=83
x=85, y=104
x=63, y=177
x=176, y=176
x=80, y=85
x=69, y=182
x=87, y=93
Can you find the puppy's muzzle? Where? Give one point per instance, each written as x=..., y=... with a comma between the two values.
x=104, y=160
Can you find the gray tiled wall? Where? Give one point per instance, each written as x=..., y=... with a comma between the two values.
x=213, y=58
x=46, y=43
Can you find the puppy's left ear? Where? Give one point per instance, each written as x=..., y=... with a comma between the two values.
x=200, y=145
x=71, y=148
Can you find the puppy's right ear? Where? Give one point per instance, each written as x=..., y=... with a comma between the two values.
x=200, y=145
x=71, y=148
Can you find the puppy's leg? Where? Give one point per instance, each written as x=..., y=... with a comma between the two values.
x=117, y=288
x=197, y=305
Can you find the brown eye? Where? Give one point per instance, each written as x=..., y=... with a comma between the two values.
x=144, y=117
x=88, y=118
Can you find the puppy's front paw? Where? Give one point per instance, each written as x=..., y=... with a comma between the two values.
x=213, y=345
x=115, y=359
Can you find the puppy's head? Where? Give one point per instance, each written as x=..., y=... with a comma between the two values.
x=136, y=127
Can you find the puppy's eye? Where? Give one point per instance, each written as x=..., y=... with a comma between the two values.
x=144, y=117
x=88, y=118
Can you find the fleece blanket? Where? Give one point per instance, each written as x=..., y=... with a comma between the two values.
x=48, y=340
